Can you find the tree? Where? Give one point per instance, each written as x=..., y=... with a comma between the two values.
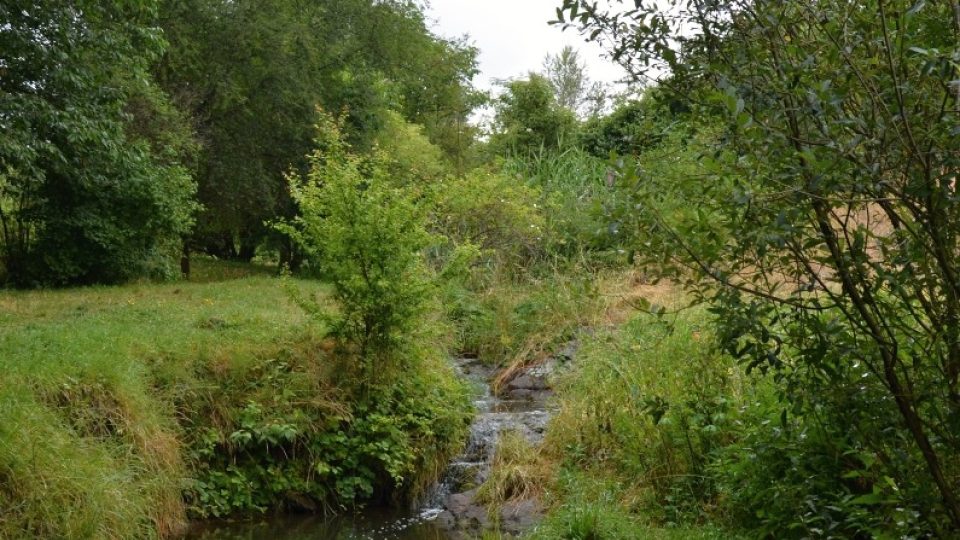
x=83, y=196
x=633, y=126
x=572, y=87
x=528, y=117
x=249, y=74
x=827, y=236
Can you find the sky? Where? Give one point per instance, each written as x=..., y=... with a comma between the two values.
x=513, y=37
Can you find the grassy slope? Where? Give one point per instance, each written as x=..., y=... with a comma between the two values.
x=606, y=469
x=88, y=448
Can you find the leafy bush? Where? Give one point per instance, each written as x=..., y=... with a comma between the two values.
x=283, y=432
x=366, y=236
x=412, y=157
x=493, y=212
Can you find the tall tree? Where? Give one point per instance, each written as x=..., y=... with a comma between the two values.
x=528, y=117
x=83, y=196
x=567, y=74
x=251, y=73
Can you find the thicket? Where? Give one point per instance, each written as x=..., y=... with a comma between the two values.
x=819, y=229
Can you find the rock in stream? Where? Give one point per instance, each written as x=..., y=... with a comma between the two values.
x=523, y=408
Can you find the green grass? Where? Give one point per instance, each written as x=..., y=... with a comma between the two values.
x=128, y=409
x=89, y=445
x=646, y=404
x=593, y=505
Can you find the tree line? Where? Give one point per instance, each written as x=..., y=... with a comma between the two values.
x=135, y=132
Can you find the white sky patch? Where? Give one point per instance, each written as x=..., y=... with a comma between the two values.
x=513, y=37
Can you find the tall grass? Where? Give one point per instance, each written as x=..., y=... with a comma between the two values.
x=89, y=448
x=575, y=193
x=640, y=418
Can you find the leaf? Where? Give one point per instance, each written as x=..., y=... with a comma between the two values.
x=868, y=499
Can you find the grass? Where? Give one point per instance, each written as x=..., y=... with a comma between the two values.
x=89, y=446
x=128, y=409
x=594, y=505
x=647, y=400
x=518, y=472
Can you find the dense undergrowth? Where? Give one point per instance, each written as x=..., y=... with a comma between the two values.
x=128, y=409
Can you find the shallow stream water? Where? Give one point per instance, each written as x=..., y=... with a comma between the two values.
x=470, y=468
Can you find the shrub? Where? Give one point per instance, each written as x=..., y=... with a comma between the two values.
x=493, y=212
x=366, y=236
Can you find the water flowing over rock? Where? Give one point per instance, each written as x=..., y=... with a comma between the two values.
x=524, y=409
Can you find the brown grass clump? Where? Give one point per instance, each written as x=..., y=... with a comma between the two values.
x=519, y=472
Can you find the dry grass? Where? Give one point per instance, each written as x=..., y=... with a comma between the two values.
x=519, y=472
x=617, y=298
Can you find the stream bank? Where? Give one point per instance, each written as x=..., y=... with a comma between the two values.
x=450, y=511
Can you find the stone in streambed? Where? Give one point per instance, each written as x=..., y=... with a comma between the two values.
x=528, y=382
x=467, y=514
x=519, y=516
x=458, y=503
x=446, y=520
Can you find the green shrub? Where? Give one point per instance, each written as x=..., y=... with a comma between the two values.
x=366, y=236
x=501, y=216
x=412, y=157
x=283, y=432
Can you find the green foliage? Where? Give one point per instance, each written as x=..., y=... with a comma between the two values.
x=592, y=505
x=528, y=117
x=83, y=197
x=824, y=239
x=652, y=402
x=575, y=197
x=252, y=102
x=366, y=236
x=494, y=212
x=634, y=126
x=212, y=398
x=508, y=321
x=572, y=88
x=413, y=158
x=274, y=434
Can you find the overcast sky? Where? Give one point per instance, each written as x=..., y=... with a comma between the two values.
x=513, y=37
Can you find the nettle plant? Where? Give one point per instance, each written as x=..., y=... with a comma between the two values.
x=365, y=235
x=826, y=232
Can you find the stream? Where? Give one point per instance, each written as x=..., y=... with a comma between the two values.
x=448, y=512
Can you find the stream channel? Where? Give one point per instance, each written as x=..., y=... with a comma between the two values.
x=448, y=512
